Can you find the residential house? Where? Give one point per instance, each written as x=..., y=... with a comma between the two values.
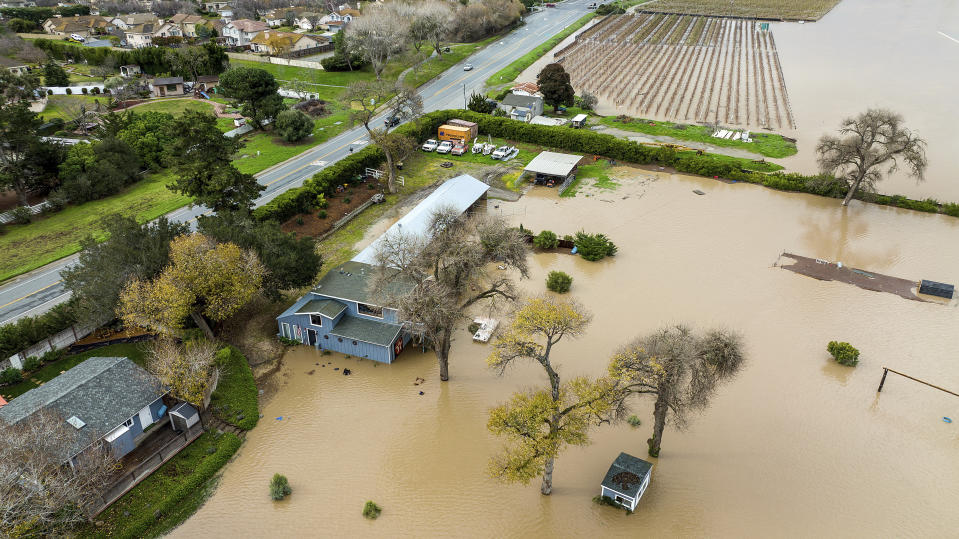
x=82, y=25
x=131, y=20
x=341, y=314
x=279, y=17
x=205, y=83
x=213, y=7
x=166, y=86
x=526, y=88
x=140, y=36
x=522, y=107
x=168, y=29
x=104, y=398
x=277, y=43
x=14, y=66
x=339, y=18
x=18, y=3
x=626, y=480
x=308, y=21
x=188, y=23
x=226, y=14
x=240, y=32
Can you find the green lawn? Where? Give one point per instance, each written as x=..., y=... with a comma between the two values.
x=767, y=144
x=50, y=238
x=58, y=106
x=510, y=72
x=273, y=150
x=236, y=393
x=174, y=106
x=174, y=491
x=435, y=66
x=134, y=351
x=739, y=162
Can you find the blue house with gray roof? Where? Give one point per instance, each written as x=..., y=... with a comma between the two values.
x=340, y=313
x=108, y=398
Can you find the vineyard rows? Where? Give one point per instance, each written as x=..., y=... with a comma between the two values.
x=684, y=68
x=791, y=10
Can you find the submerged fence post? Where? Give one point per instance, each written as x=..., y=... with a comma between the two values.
x=885, y=371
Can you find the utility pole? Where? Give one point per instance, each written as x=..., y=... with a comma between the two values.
x=465, y=105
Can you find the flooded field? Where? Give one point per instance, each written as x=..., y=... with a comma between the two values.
x=878, y=53
x=797, y=446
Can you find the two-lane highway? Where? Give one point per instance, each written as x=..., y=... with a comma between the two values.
x=39, y=290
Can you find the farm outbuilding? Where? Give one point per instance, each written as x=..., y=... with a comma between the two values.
x=579, y=121
x=551, y=168
x=933, y=288
x=627, y=480
x=183, y=416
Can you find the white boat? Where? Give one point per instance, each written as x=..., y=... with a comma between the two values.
x=486, y=329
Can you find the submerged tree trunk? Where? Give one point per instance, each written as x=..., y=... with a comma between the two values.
x=202, y=324
x=659, y=415
x=443, y=354
x=851, y=192
x=390, y=171
x=547, y=488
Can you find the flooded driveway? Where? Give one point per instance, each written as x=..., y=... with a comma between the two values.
x=796, y=446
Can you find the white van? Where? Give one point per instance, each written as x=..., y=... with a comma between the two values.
x=77, y=37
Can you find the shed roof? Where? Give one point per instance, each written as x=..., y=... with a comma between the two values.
x=459, y=192
x=102, y=392
x=579, y=117
x=626, y=474
x=366, y=330
x=326, y=307
x=553, y=164
x=525, y=101
x=167, y=80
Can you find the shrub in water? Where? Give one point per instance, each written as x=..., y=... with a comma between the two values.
x=11, y=375
x=844, y=353
x=634, y=421
x=32, y=363
x=279, y=487
x=546, y=240
x=473, y=328
x=558, y=281
x=322, y=214
x=594, y=247
x=371, y=510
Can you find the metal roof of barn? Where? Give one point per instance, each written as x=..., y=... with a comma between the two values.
x=553, y=164
x=459, y=193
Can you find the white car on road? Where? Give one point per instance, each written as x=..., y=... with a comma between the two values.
x=430, y=145
x=444, y=147
x=468, y=67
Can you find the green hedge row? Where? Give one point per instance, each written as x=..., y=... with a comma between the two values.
x=586, y=142
x=206, y=470
x=30, y=330
x=236, y=394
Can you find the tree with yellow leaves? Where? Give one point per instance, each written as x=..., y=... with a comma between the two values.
x=204, y=280
x=187, y=369
x=539, y=424
x=681, y=368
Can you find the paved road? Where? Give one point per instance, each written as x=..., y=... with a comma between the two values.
x=38, y=291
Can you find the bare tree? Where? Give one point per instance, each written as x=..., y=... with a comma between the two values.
x=448, y=272
x=364, y=98
x=431, y=22
x=867, y=144
x=187, y=369
x=680, y=368
x=190, y=60
x=377, y=36
x=40, y=493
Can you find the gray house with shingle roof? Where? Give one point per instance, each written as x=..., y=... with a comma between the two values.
x=627, y=480
x=109, y=398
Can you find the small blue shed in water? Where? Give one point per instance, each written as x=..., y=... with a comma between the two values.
x=626, y=480
x=341, y=314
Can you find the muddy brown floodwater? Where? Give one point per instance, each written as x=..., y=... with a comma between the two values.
x=796, y=446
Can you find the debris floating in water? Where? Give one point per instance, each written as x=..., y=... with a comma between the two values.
x=947, y=419
x=346, y=372
x=698, y=192
x=421, y=393
x=279, y=418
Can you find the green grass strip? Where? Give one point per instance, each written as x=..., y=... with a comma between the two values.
x=236, y=393
x=510, y=72
x=767, y=144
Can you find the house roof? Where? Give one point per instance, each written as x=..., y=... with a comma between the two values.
x=183, y=18
x=278, y=40
x=529, y=87
x=134, y=19
x=366, y=330
x=147, y=28
x=351, y=282
x=348, y=11
x=553, y=164
x=167, y=80
x=626, y=474
x=326, y=307
x=102, y=392
x=83, y=22
x=525, y=101
x=248, y=26
x=208, y=78
x=459, y=192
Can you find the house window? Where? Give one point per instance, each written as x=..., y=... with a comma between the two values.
x=339, y=339
x=128, y=422
x=369, y=310
x=326, y=336
x=620, y=500
x=354, y=343
x=316, y=320
x=171, y=87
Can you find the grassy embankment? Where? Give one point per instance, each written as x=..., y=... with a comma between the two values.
x=767, y=144
x=509, y=73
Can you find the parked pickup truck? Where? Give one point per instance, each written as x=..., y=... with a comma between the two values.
x=458, y=149
x=430, y=145
x=444, y=147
